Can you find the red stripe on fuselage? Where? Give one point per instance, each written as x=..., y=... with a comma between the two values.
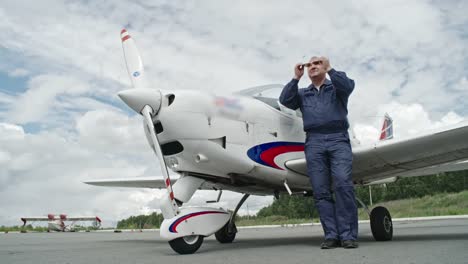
x=173, y=227
x=268, y=156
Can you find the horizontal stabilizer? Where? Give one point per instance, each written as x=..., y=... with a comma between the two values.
x=141, y=182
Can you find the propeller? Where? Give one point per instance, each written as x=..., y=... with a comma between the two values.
x=146, y=102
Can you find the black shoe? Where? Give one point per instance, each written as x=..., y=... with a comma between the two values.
x=330, y=243
x=349, y=244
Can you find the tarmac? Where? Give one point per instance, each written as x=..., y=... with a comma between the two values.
x=438, y=240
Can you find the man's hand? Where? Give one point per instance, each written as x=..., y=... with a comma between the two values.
x=326, y=63
x=298, y=71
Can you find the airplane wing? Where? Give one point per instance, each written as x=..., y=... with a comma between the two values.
x=25, y=219
x=140, y=182
x=84, y=218
x=425, y=154
x=134, y=182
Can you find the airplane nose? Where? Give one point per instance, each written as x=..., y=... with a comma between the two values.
x=137, y=99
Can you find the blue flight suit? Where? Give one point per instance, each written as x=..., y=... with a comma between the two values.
x=328, y=150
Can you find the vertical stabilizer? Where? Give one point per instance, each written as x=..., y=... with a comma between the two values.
x=387, y=128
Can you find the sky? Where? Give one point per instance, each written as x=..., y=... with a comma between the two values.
x=61, y=66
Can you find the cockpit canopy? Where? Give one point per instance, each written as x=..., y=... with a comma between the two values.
x=269, y=94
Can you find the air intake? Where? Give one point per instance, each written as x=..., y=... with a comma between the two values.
x=170, y=99
x=171, y=148
x=220, y=141
x=158, y=127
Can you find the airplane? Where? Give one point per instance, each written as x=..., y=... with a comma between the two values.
x=58, y=223
x=249, y=143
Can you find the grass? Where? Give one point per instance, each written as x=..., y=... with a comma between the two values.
x=431, y=205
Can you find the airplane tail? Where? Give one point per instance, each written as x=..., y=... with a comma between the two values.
x=387, y=128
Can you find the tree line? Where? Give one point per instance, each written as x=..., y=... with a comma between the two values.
x=300, y=207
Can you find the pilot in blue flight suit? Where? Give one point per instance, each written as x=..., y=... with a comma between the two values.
x=324, y=106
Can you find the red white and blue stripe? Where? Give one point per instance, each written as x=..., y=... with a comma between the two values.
x=266, y=153
x=173, y=226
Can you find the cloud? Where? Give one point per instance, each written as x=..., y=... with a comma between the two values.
x=104, y=130
x=462, y=85
x=18, y=72
x=43, y=92
x=43, y=173
x=408, y=120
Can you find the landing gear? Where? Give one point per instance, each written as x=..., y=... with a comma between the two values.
x=186, y=244
x=380, y=222
x=224, y=235
x=227, y=233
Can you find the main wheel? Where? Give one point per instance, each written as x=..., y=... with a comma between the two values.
x=186, y=244
x=381, y=224
x=224, y=236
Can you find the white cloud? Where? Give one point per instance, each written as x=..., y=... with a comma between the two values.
x=104, y=130
x=18, y=72
x=462, y=85
x=408, y=120
x=42, y=93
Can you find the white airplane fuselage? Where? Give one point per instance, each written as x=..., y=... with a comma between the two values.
x=56, y=225
x=227, y=137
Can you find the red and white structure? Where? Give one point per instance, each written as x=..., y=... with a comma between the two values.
x=58, y=223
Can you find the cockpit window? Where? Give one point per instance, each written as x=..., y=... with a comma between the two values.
x=270, y=94
x=269, y=101
x=271, y=91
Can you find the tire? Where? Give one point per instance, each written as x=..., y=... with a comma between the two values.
x=381, y=224
x=187, y=244
x=224, y=236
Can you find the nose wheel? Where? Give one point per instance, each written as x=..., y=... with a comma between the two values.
x=186, y=244
x=227, y=233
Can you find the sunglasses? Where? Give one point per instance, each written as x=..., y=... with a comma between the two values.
x=308, y=64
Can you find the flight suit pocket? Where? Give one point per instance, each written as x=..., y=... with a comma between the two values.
x=310, y=100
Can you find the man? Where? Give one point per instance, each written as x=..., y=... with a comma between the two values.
x=324, y=106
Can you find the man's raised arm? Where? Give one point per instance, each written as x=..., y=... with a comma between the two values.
x=290, y=95
x=344, y=85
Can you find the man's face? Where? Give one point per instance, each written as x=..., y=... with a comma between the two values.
x=316, y=68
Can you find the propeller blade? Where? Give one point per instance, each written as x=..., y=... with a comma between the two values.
x=133, y=60
x=153, y=138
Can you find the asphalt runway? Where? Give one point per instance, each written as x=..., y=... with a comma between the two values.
x=440, y=241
